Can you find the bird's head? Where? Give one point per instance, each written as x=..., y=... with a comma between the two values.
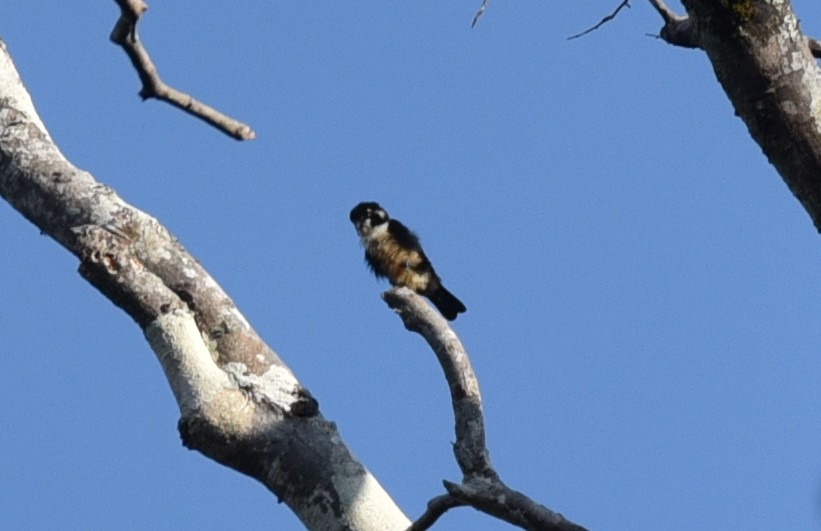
x=368, y=216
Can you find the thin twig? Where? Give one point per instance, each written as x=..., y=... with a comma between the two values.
x=602, y=22
x=479, y=13
x=436, y=508
x=125, y=35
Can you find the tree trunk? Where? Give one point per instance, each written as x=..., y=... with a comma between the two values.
x=766, y=67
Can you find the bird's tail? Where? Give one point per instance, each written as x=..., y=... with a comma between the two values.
x=447, y=304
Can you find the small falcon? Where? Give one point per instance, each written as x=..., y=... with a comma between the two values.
x=392, y=251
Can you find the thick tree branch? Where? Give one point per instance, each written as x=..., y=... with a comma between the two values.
x=481, y=487
x=125, y=35
x=765, y=65
x=240, y=404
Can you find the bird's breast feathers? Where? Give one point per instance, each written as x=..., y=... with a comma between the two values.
x=401, y=265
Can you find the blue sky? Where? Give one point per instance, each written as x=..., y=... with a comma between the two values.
x=642, y=289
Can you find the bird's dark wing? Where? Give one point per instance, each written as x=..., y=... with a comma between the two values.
x=403, y=235
x=415, y=258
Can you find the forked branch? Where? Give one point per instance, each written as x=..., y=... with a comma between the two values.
x=679, y=30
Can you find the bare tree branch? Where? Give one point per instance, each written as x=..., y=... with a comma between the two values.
x=678, y=30
x=436, y=508
x=497, y=499
x=481, y=487
x=605, y=20
x=666, y=13
x=470, y=450
x=479, y=13
x=125, y=35
x=240, y=404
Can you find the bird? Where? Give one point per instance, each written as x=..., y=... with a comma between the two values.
x=392, y=251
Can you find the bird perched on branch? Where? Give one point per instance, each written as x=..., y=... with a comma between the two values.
x=392, y=251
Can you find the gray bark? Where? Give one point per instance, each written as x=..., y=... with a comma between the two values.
x=766, y=66
x=240, y=404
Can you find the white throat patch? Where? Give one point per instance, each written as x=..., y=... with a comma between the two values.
x=374, y=233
